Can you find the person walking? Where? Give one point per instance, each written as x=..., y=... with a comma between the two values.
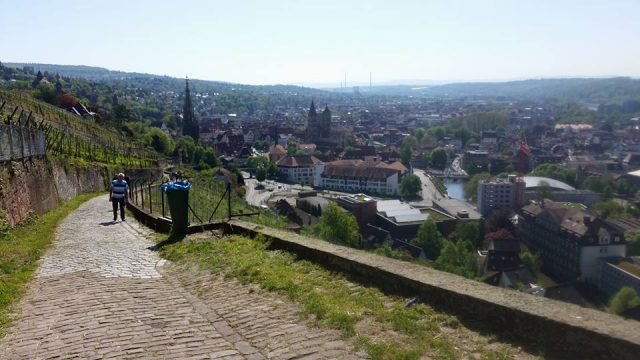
x=118, y=195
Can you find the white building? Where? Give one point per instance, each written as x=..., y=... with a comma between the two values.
x=298, y=169
x=360, y=176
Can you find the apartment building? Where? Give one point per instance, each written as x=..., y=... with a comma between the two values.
x=500, y=193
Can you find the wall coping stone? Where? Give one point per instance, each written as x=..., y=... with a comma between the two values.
x=554, y=326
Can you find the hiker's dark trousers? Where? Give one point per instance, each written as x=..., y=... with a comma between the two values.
x=115, y=203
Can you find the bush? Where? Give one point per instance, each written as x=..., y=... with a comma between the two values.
x=623, y=300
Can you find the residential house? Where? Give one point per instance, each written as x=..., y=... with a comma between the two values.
x=360, y=176
x=298, y=169
x=570, y=241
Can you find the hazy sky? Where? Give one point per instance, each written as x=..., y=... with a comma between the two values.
x=301, y=41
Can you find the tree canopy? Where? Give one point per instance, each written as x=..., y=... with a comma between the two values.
x=458, y=258
x=339, y=226
x=410, y=186
x=429, y=239
x=439, y=158
x=624, y=300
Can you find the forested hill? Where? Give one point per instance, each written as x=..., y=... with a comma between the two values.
x=152, y=97
x=593, y=91
x=159, y=82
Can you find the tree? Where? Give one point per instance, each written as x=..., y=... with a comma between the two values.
x=439, y=158
x=557, y=172
x=438, y=132
x=406, y=149
x=462, y=133
x=37, y=80
x=544, y=191
x=339, y=226
x=623, y=300
x=46, y=92
x=533, y=262
x=471, y=187
x=469, y=230
x=186, y=147
x=209, y=157
x=632, y=238
x=458, y=258
x=410, y=186
x=429, y=239
x=190, y=125
x=159, y=140
x=255, y=162
x=59, y=89
x=261, y=174
x=615, y=210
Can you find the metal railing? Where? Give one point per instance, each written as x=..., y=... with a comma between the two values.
x=19, y=142
x=209, y=200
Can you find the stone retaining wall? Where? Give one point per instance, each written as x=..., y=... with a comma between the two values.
x=38, y=185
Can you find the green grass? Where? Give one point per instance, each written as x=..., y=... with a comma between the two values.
x=380, y=324
x=20, y=249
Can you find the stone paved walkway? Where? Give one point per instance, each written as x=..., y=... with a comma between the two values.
x=99, y=293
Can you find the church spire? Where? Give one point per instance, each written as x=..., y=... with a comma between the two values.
x=312, y=110
x=189, y=123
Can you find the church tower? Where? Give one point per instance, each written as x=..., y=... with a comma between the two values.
x=326, y=123
x=312, y=131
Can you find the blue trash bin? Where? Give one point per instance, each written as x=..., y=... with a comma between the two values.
x=178, y=198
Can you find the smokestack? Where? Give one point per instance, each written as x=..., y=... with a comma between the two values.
x=369, y=80
x=345, y=80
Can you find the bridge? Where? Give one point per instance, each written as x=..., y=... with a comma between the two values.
x=450, y=174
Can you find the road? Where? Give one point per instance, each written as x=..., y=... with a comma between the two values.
x=429, y=192
x=99, y=293
x=260, y=197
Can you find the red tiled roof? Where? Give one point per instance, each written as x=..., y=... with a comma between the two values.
x=278, y=150
x=398, y=166
x=298, y=160
x=359, y=169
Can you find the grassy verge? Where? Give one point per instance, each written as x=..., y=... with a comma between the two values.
x=380, y=324
x=20, y=249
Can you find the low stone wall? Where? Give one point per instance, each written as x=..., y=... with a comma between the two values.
x=151, y=220
x=543, y=326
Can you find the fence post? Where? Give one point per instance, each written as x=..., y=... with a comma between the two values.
x=21, y=130
x=229, y=200
x=150, y=200
x=142, y=193
x=162, y=196
x=10, y=133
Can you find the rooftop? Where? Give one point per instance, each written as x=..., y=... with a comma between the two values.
x=357, y=198
x=538, y=181
x=628, y=266
x=400, y=212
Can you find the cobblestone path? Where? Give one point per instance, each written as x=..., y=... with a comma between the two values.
x=99, y=293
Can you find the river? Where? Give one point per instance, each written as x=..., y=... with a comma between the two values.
x=455, y=188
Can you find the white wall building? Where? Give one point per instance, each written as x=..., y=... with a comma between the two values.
x=298, y=169
x=360, y=176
